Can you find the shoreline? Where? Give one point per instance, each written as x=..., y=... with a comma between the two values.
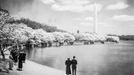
x=32, y=68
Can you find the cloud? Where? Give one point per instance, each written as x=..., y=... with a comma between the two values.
x=67, y=2
x=123, y=18
x=85, y=23
x=72, y=5
x=48, y=1
x=84, y=19
x=89, y=18
x=77, y=19
x=117, y=6
x=76, y=8
x=75, y=2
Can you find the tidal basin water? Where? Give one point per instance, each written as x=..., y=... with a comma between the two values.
x=97, y=59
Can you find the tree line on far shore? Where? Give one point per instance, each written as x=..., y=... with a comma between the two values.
x=124, y=37
x=127, y=37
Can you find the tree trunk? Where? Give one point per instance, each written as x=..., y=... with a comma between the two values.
x=3, y=55
x=2, y=52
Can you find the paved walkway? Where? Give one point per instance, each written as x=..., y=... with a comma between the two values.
x=31, y=68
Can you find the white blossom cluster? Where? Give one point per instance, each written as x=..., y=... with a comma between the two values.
x=23, y=33
x=94, y=37
x=3, y=17
x=112, y=38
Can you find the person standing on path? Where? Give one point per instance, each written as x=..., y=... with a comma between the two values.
x=68, y=64
x=74, y=65
x=21, y=58
x=10, y=60
x=14, y=53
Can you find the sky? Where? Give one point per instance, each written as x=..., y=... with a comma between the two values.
x=114, y=16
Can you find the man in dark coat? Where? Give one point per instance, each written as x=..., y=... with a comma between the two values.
x=21, y=58
x=74, y=65
x=68, y=64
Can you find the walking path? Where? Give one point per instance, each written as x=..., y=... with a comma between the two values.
x=31, y=68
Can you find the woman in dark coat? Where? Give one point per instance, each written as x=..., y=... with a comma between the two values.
x=68, y=64
x=14, y=53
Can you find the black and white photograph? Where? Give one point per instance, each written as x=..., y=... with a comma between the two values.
x=66, y=37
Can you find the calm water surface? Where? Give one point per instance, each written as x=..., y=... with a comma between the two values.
x=98, y=59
